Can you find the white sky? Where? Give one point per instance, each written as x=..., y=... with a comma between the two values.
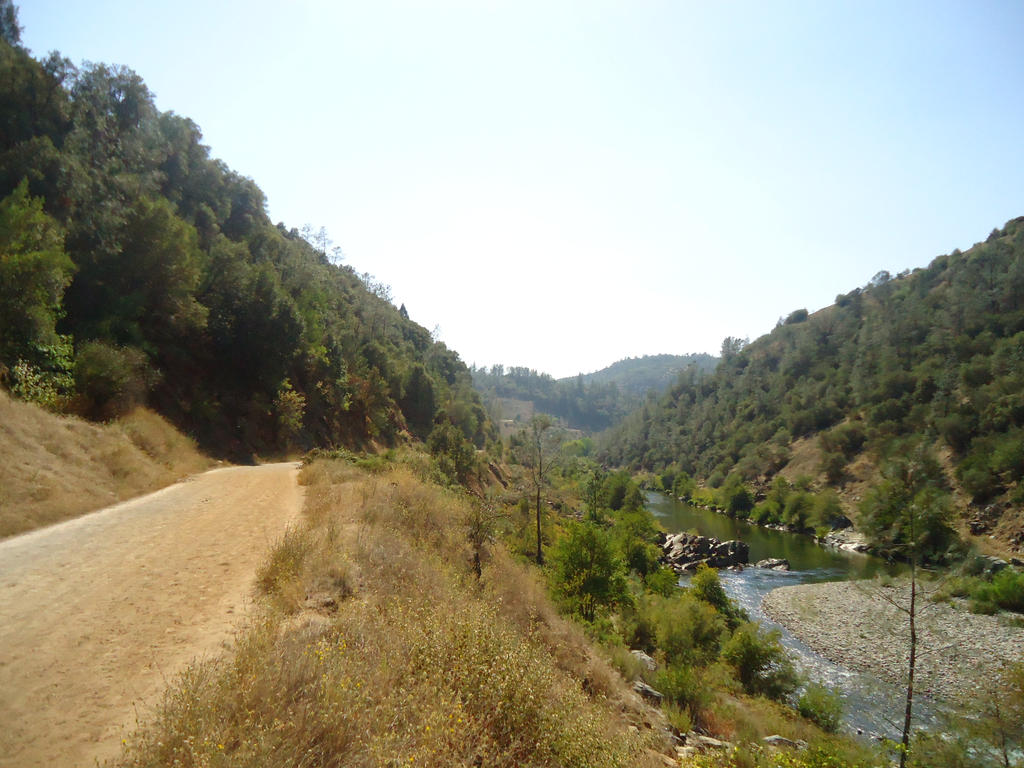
x=564, y=184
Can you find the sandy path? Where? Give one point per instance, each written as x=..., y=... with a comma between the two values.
x=97, y=614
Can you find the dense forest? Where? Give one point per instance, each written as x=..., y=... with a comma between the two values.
x=134, y=267
x=589, y=401
x=932, y=356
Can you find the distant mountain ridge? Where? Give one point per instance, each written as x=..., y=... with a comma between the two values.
x=639, y=375
x=593, y=401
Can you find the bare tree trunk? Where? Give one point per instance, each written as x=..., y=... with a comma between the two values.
x=540, y=554
x=913, y=657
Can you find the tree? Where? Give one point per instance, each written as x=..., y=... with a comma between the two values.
x=419, y=401
x=909, y=515
x=290, y=409
x=707, y=586
x=111, y=380
x=1002, y=715
x=10, y=30
x=593, y=493
x=452, y=452
x=34, y=272
x=481, y=521
x=587, y=570
x=143, y=292
x=536, y=451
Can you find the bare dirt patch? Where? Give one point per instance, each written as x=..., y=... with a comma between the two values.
x=97, y=614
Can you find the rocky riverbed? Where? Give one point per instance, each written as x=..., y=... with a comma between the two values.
x=853, y=623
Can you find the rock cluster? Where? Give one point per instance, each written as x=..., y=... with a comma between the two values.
x=649, y=664
x=684, y=552
x=984, y=519
x=774, y=564
x=846, y=538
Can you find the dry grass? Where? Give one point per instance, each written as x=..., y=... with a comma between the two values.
x=56, y=467
x=379, y=648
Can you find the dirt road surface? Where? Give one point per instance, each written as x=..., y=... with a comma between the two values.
x=99, y=613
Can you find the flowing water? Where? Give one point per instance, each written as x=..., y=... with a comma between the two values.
x=871, y=706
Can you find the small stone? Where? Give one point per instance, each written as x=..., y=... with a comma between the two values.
x=782, y=741
x=647, y=692
x=649, y=664
x=704, y=743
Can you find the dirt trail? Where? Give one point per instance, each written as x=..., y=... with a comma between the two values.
x=97, y=614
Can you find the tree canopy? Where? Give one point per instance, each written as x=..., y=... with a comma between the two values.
x=936, y=354
x=127, y=250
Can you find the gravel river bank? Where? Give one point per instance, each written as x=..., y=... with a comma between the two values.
x=854, y=624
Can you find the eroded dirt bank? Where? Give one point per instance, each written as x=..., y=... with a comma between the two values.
x=98, y=613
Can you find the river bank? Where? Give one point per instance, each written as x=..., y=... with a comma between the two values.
x=854, y=624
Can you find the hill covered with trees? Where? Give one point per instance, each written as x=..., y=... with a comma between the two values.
x=134, y=267
x=589, y=401
x=640, y=375
x=931, y=359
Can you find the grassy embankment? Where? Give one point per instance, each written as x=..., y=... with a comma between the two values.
x=376, y=645
x=56, y=467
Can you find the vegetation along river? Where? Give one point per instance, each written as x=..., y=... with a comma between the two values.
x=871, y=706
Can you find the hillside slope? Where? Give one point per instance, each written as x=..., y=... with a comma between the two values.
x=138, y=269
x=55, y=467
x=933, y=356
x=378, y=646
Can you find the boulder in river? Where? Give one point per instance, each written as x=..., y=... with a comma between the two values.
x=848, y=539
x=687, y=551
x=774, y=563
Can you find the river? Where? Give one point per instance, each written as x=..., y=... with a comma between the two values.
x=871, y=706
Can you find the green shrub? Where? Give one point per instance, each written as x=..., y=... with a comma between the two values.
x=684, y=486
x=766, y=513
x=684, y=686
x=112, y=380
x=707, y=586
x=822, y=706
x=1005, y=592
x=453, y=454
x=662, y=581
x=615, y=488
x=635, y=533
x=46, y=388
x=735, y=498
x=797, y=513
x=760, y=661
x=833, y=466
x=678, y=717
x=704, y=497
x=687, y=630
x=587, y=572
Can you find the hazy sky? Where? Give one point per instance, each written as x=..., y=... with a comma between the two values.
x=564, y=184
